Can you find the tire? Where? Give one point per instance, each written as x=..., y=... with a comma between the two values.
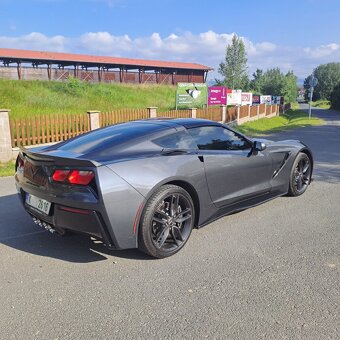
x=167, y=221
x=300, y=175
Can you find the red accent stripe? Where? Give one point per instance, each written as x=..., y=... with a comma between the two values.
x=137, y=218
x=74, y=210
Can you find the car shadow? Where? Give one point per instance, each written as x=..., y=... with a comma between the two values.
x=18, y=231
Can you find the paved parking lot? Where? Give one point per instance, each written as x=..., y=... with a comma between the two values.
x=268, y=272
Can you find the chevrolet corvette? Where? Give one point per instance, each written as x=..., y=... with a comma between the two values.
x=146, y=184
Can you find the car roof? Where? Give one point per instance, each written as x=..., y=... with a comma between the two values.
x=117, y=135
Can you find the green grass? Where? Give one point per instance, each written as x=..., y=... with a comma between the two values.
x=26, y=98
x=292, y=119
x=7, y=169
x=322, y=104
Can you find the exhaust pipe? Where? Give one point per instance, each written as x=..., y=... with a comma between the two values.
x=48, y=227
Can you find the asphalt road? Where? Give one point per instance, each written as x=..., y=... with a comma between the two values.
x=269, y=272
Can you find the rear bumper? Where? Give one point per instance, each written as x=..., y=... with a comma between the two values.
x=61, y=217
x=108, y=214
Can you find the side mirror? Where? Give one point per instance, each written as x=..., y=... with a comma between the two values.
x=259, y=146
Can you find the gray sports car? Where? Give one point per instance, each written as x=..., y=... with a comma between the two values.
x=145, y=184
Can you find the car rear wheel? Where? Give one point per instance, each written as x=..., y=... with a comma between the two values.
x=166, y=222
x=300, y=176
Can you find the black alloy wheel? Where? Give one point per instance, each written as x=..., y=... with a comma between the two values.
x=167, y=221
x=300, y=175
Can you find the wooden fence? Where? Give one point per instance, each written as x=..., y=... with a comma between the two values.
x=47, y=128
x=231, y=114
x=253, y=111
x=121, y=116
x=54, y=128
x=175, y=114
x=262, y=109
x=244, y=111
x=212, y=113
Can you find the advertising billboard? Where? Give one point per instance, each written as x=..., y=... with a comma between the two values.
x=276, y=99
x=256, y=99
x=266, y=99
x=191, y=95
x=247, y=98
x=234, y=97
x=217, y=95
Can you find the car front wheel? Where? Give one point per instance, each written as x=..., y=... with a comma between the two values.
x=300, y=176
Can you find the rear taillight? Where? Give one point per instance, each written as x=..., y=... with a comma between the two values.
x=79, y=177
x=20, y=163
x=60, y=175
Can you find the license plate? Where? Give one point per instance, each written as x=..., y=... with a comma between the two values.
x=38, y=203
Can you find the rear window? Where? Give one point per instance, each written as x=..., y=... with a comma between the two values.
x=110, y=137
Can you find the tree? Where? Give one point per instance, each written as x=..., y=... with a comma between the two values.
x=234, y=68
x=275, y=83
x=290, y=88
x=328, y=76
x=307, y=87
x=256, y=83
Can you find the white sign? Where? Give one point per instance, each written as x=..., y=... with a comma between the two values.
x=247, y=98
x=266, y=99
x=234, y=98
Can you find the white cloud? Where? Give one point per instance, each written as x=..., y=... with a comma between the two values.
x=35, y=41
x=206, y=48
x=322, y=51
x=104, y=42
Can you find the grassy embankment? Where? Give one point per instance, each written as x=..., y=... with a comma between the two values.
x=7, y=169
x=25, y=98
x=322, y=104
x=292, y=119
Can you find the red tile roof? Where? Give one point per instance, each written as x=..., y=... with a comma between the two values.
x=57, y=57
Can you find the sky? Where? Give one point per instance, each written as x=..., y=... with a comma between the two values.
x=292, y=35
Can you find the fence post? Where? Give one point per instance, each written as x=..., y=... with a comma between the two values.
x=152, y=112
x=5, y=137
x=258, y=112
x=238, y=114
x=265, y=109
x=224, y=113
x=248, y=111
x=193, y=112
x=94, y=119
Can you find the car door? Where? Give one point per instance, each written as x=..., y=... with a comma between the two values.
x=233, y=172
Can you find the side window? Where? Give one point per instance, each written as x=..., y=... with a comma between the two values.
x=177, y=140
x=218, y=138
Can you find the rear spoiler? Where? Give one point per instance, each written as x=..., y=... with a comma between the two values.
x=41, y=158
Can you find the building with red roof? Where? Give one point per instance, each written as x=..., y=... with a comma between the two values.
x=25, y=64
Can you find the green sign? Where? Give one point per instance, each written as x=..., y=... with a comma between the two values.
x=191, y=95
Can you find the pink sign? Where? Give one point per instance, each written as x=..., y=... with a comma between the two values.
x=217, y=95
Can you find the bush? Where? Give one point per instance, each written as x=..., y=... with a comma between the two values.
x=335, y=98
x=75, y=86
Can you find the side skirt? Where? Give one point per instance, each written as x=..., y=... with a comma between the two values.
x=237, y=207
